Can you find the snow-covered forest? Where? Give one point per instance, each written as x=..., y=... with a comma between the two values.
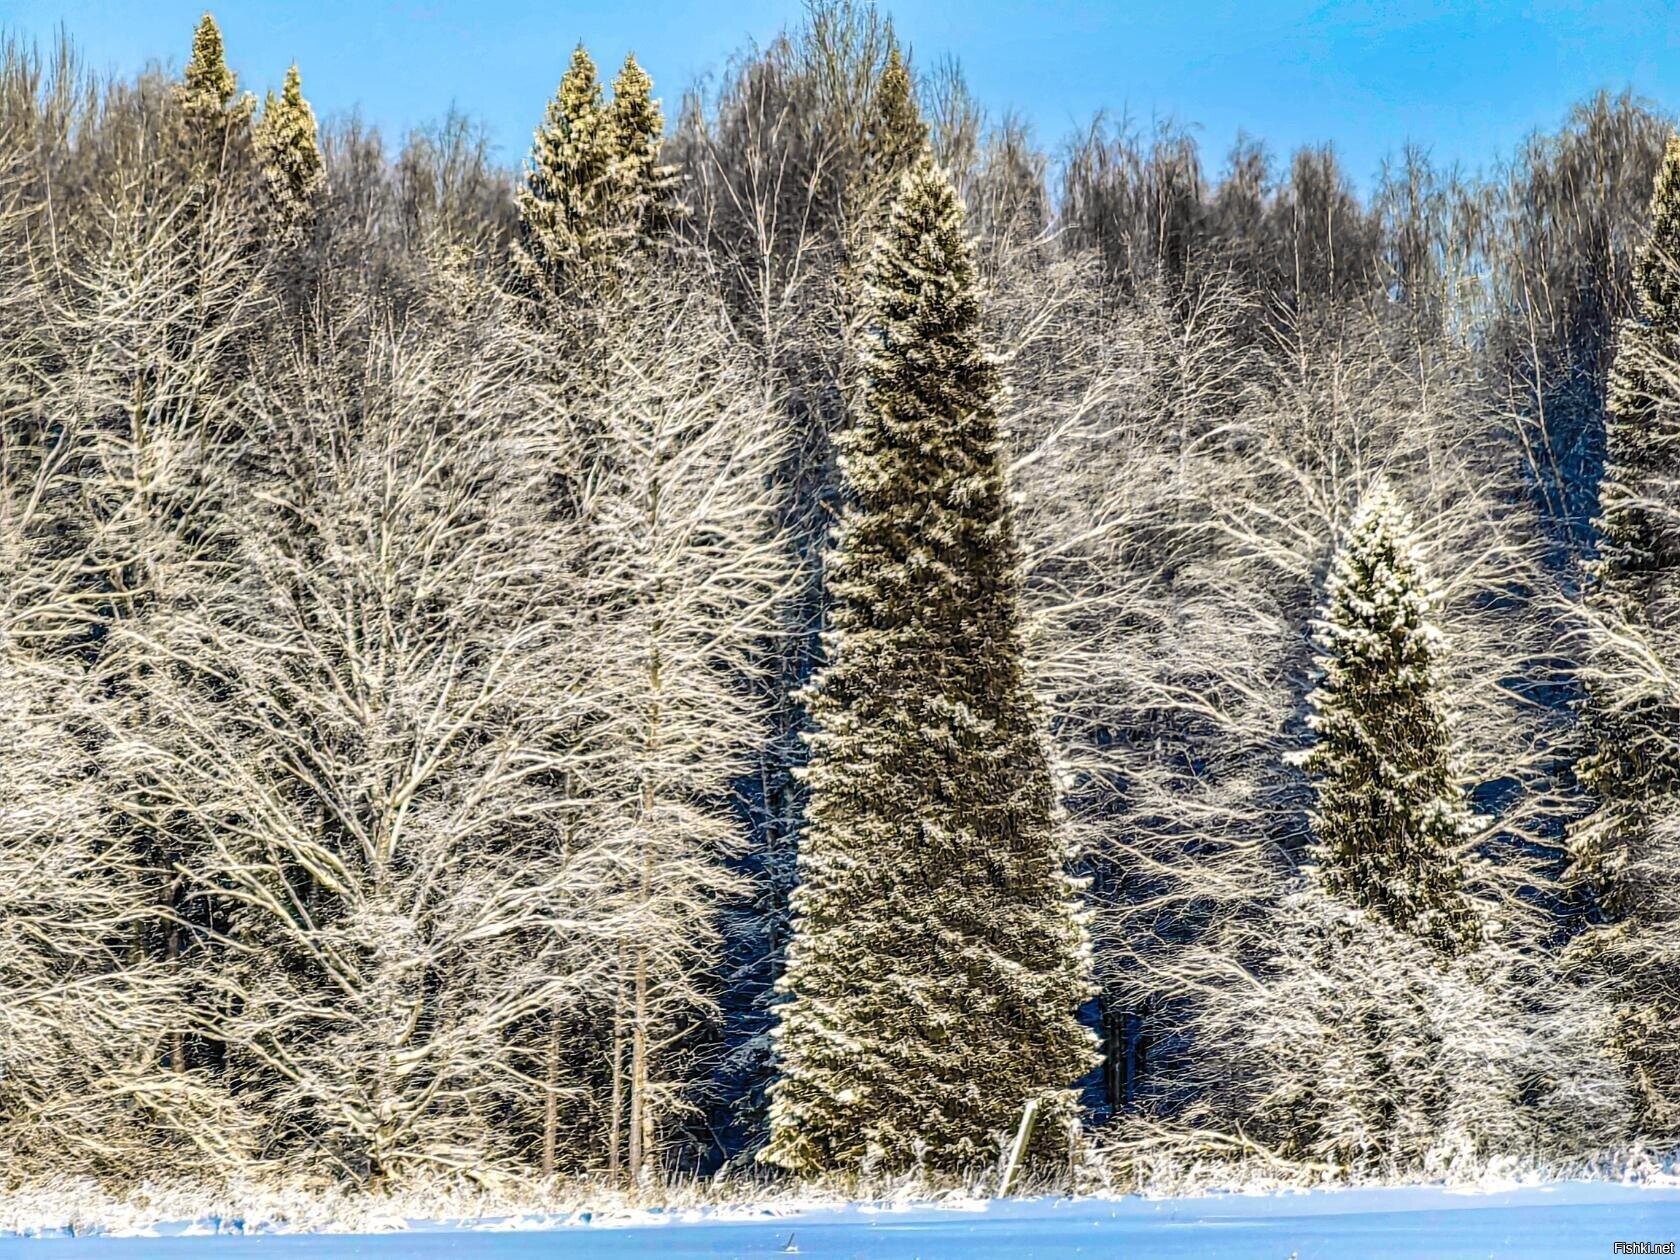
x=807, y=635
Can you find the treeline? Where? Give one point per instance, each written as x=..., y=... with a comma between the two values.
x=823, y=635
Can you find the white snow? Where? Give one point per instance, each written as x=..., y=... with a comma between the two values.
x=1558, y=1219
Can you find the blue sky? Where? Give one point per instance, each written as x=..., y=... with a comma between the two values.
x=1467, y=79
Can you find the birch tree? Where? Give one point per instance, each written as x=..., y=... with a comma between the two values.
x=685, y=567
x=364, y=759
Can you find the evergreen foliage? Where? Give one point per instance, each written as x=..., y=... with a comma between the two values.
x=637, y=128
x=1391, y=823
x=208, y=85
x=897, y=135
x=290, y=153
x=1639, y=537
x=594, y=185
x=1396, y=1019
x=563, y=205
x=398, y=744
x=1625, y=853
x=938, y=958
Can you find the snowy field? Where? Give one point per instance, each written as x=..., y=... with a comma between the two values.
x=1563, y=1219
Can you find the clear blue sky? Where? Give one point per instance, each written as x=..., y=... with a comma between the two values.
x=1467, y=79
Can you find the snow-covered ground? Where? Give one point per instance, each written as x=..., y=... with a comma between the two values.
x=1560, y=1219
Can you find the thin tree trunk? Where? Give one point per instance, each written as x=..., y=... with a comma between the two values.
x=551, y=1101
x=640, y=1116
x=617, y=1128
x=172, y=952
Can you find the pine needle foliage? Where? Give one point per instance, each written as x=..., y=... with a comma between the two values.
x=208, y=85
x=897, y=135
x=636, y=128
x=594, y=186
x=563, y=205
x=938, y=959
x=290, y=153
x=1391, y=823
x=1623, y=855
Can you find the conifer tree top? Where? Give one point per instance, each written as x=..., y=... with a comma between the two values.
x=567, y=144
x=287, y=140
x=633, y=82
x=292, y=91
x=581, y=83
x=208, y=81
x=922, y=287
x=1377, y=573
x=1658, y=267
x=637, y=122
x=897, y=134
x=290, y=113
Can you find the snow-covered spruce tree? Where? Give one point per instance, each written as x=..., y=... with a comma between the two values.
x=1391, y=822
x=207, y=86
x=1404, y=1017
x=290, y=154
x=213, y=154
x=1624, y=859
x=218, y=120
x=636, y=128
x=565, y=205
x=938, y=957
x=1384, y=1036
x=897, y=135
x=775, y=243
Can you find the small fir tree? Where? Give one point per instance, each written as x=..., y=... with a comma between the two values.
x=897, y=135
x=218, y=148
x=208, y=85
x=938, y=957
x=642, y=186
x=1623, y=855
x=1391, y=823
x=290, y=153
x=565, y=205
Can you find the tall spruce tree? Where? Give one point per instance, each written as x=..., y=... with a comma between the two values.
x=1623, y=856
x=938, y=956
x=1391, y=823
x=290, y=152
x=217, y=138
